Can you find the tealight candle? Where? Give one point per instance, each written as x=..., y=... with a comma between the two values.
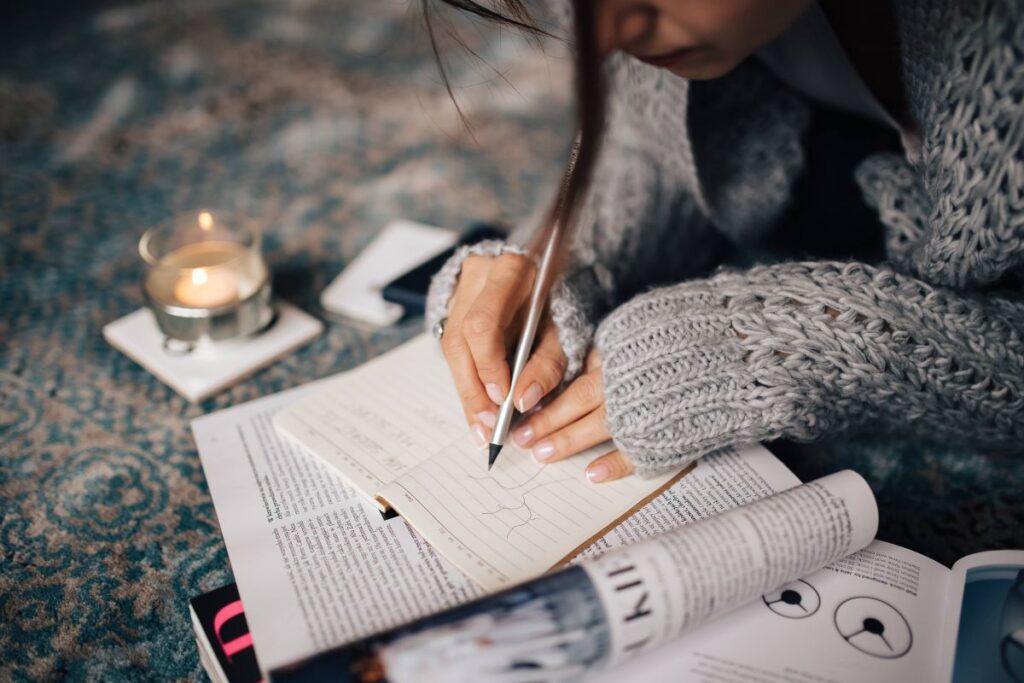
x=206, y=289
x=206, y=277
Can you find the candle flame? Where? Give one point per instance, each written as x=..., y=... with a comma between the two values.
x=199, y=276
x=205, y=220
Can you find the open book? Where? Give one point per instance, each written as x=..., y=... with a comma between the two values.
x=317, y=567
x=393, y=428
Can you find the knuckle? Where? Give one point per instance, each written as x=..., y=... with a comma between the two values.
x=451, y=345
x=510, y=269
x=510, y=261
x=541, y=424
x=479, y=323
x=475, y=264
x=562, y=443
x=587, y=390
x=471, y=396
x=550, y=371
x=490, y=370
x=617, y=467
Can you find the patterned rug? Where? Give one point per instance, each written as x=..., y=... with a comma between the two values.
x=322, y=120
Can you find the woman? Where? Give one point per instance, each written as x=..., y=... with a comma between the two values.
x=701, y=132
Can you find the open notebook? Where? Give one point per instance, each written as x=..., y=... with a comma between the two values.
x=394, y=429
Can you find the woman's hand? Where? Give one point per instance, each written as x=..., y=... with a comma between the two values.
x=483, y=322
x=574, y=422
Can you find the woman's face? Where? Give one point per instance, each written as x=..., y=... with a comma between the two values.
x=695, y=39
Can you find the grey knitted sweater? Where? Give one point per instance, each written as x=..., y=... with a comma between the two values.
x=931, y=342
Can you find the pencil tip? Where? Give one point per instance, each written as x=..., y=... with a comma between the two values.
x=492, y=455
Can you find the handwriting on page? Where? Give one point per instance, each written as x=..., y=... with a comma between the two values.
x=380, y=419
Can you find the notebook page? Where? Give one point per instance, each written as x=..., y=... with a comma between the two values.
x=518, y=520
x=377, y=421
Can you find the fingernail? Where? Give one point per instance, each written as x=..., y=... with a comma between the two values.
x=494, y=393
x=530, y=397
x=523, y=435
x=543, y=451
x=479, y=435
x=488, y=417
x=598, y=473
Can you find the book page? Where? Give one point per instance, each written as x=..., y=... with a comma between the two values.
x=722, y=481
x=517, y=520
x=375, y=422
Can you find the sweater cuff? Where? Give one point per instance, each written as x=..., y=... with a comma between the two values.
x=698, y=367
x=572, y=312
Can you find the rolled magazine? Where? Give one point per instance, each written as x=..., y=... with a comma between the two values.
x=627, y=602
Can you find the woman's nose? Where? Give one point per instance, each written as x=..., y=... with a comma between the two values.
x=623, y=23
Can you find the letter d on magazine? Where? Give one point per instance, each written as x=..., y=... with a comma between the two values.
x=561, y=625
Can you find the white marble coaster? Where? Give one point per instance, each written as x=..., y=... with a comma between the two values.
x=209, y=368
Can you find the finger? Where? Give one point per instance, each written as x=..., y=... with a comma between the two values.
x=467, y=384
x=608, y=467
x=583, y=395
x=572, y=439
x=508, y=285
x=544, y=371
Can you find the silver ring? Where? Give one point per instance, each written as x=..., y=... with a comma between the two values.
x=438, y=328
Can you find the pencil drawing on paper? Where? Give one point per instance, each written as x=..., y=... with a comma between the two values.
x=518, y=514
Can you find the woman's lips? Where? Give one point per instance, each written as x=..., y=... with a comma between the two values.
x=669, y=59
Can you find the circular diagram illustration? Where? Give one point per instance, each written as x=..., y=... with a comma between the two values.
x=874, y=627
x=796, y=600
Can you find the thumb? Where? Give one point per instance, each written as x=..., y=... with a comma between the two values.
x=608, y=467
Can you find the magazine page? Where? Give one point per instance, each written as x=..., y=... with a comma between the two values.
x=622, y=605
x=655, y=591
x=984, y=624
x=317, y=566
x=315, y=562
x=874, y=616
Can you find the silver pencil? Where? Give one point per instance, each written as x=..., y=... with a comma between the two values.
x=525, y=345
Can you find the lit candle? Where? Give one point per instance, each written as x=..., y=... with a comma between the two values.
x=205, y=277
x=207, y=288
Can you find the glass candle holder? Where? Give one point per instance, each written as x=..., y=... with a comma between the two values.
x=206, y=278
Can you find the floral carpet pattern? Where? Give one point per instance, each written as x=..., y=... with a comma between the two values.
x=322, y=120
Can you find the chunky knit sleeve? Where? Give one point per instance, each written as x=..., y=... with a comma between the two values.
x=640, y=224
x=798, y=350
x=956, y=216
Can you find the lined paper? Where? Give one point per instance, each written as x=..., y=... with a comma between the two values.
x=394, y=428
x=518, y=520
x=375, y=422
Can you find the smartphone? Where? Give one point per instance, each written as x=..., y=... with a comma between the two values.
x=410, y=289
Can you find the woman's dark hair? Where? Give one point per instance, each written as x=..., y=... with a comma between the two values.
x=589, y=90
